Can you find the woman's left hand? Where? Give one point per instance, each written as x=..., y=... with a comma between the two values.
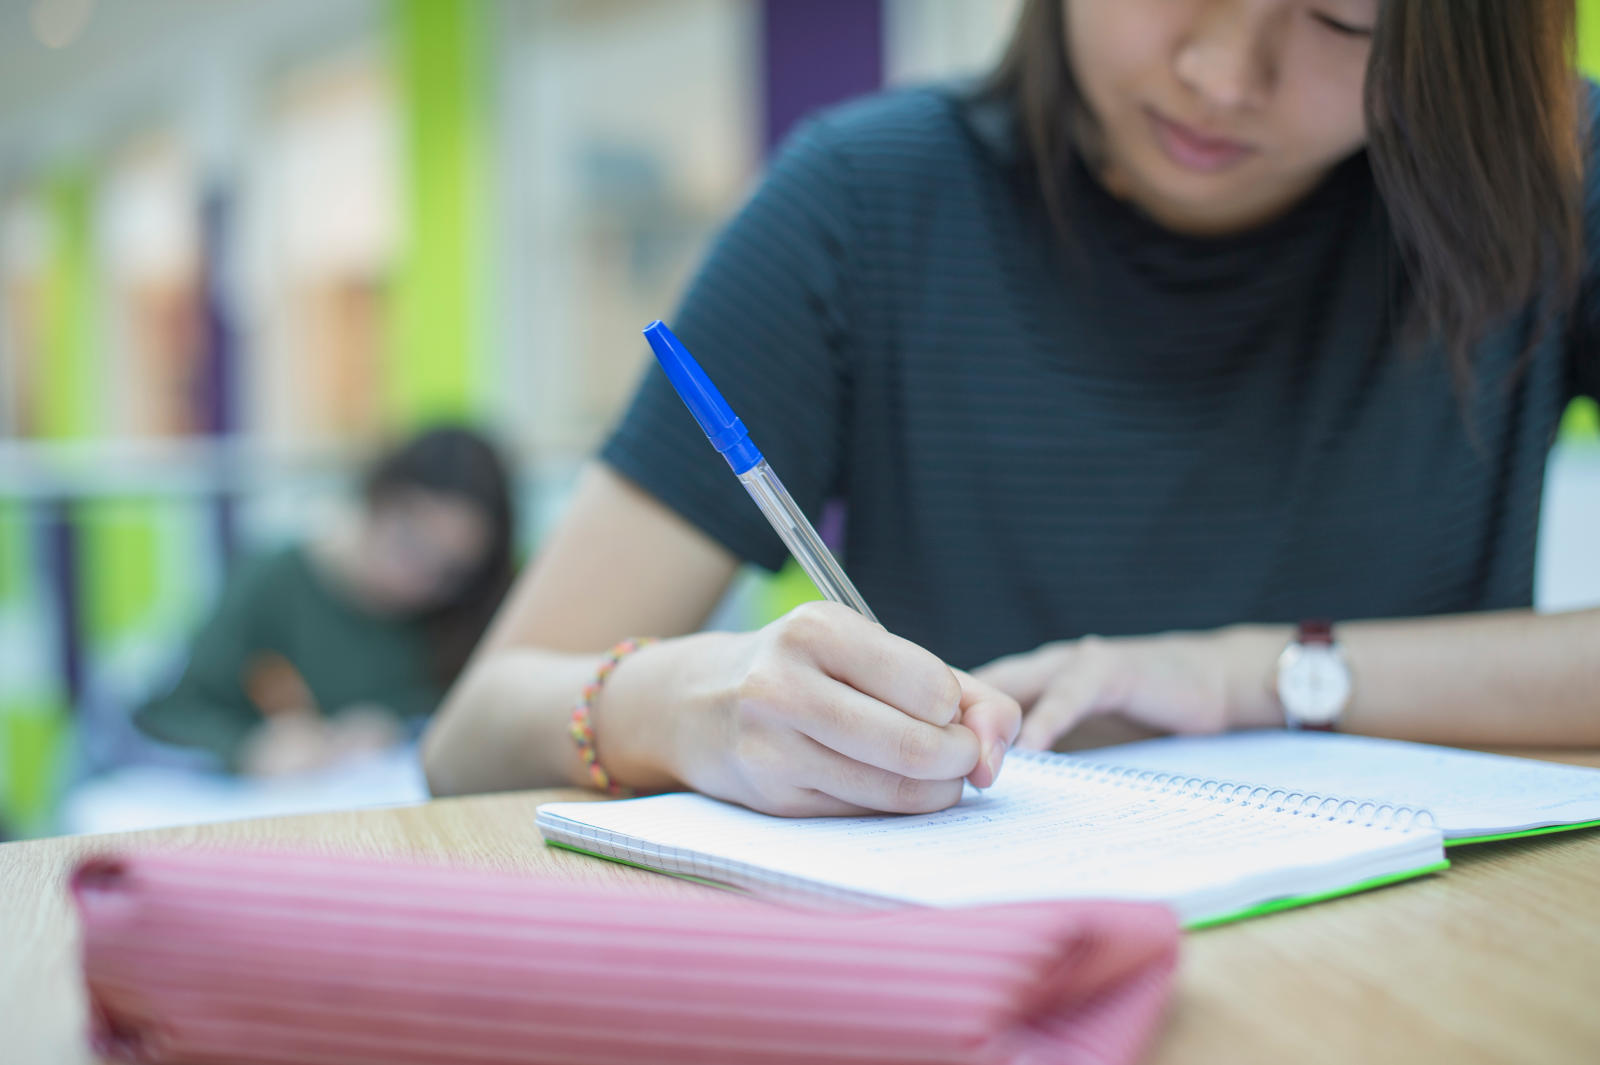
x=1177, y=682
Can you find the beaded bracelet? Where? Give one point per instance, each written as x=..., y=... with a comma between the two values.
x=581, y=728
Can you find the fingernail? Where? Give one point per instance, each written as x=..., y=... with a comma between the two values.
x=997, y=754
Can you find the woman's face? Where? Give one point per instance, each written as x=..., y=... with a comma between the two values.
x=421, y=547
x=1216, y=115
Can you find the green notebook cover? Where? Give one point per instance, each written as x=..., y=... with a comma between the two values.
x=1521, y=834
x=1274, y=905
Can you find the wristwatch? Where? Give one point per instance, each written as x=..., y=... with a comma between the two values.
x=1313, y=679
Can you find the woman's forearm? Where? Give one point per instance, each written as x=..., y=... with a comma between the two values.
x=504, y=725
x=501, y=727
x=1500, y=679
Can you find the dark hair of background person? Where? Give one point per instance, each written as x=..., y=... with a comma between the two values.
x=457, y=462
x=1472, y=111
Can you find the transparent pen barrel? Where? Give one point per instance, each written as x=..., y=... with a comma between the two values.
x=801, y=539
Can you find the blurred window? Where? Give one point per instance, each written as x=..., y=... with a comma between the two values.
x=328, y=218
x=150, y=229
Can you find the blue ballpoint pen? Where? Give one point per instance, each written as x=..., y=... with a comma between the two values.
x=732, y=441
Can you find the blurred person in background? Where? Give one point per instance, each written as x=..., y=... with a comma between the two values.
x=345, y=644
x=1198, y=320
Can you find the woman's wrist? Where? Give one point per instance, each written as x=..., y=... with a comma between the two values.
x=1249, y=654
x=645, y=720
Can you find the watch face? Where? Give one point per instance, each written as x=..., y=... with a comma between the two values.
x=1313, y=683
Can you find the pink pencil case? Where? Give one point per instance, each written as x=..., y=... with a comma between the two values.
x=221, y=958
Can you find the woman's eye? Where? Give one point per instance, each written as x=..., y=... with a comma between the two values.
x=1344, y=29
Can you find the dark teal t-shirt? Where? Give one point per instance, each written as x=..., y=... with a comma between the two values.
x=1133, y=432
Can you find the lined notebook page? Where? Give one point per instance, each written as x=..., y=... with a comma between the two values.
x=1469, y=794
x=1047, y=830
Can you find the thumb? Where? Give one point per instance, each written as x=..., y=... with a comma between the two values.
x=994, y=717
x=1024, y=677
x=1074, y=696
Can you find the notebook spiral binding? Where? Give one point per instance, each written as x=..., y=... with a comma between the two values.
x=1365, y=812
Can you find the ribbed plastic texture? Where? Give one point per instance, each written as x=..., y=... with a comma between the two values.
x=268, y=958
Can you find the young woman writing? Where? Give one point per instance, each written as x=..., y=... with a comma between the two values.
x=1198, y=321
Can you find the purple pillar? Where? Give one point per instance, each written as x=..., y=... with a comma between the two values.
x=219, y=355
x=817, y=52
x=61, y=561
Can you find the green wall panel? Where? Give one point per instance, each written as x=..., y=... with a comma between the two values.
x=438, y=310
x=65, y=400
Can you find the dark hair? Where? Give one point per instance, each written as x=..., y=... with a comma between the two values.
x=455, y=461
x=1473, y=139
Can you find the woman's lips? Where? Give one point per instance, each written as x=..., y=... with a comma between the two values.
x=1193, y=150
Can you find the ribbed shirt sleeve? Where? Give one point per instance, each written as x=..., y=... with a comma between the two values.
x=767, y=316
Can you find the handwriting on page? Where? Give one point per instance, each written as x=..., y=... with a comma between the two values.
x=1039, y=833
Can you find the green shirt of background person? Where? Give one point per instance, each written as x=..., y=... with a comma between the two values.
x=346, y=642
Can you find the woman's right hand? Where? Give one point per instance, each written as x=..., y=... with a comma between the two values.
x=821, y=712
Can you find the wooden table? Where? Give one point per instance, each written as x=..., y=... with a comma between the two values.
x=1497, y=960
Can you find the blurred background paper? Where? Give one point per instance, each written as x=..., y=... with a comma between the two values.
x=137, y=797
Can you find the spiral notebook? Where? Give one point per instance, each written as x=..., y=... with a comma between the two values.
x=1054, y=827
x=1473, y=797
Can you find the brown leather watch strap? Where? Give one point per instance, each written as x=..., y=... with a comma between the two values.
x=1315, y=631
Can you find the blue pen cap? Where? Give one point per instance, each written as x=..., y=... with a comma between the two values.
x=725, y=431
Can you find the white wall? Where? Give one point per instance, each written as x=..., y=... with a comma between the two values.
x=1568, y=574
